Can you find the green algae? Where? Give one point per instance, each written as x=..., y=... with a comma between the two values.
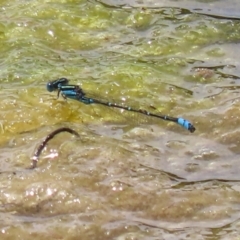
x=122, y=180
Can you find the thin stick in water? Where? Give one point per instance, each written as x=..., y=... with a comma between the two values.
x=46, y=140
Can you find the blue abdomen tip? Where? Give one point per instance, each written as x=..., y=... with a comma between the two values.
x=186, y=124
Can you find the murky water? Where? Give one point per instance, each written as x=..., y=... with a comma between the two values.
x=125, y=178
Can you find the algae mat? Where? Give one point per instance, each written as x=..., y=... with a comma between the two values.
x=127, y=177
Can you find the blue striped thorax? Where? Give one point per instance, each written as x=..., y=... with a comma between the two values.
x=72, y=91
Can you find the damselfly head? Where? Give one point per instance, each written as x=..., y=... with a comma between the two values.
x=56, y=84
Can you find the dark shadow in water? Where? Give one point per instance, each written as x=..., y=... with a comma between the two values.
x=214, y=12
x=187, y=183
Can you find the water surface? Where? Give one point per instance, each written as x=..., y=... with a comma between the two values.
x=126, y=177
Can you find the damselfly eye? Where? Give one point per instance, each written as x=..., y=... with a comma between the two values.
x=50, y=87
